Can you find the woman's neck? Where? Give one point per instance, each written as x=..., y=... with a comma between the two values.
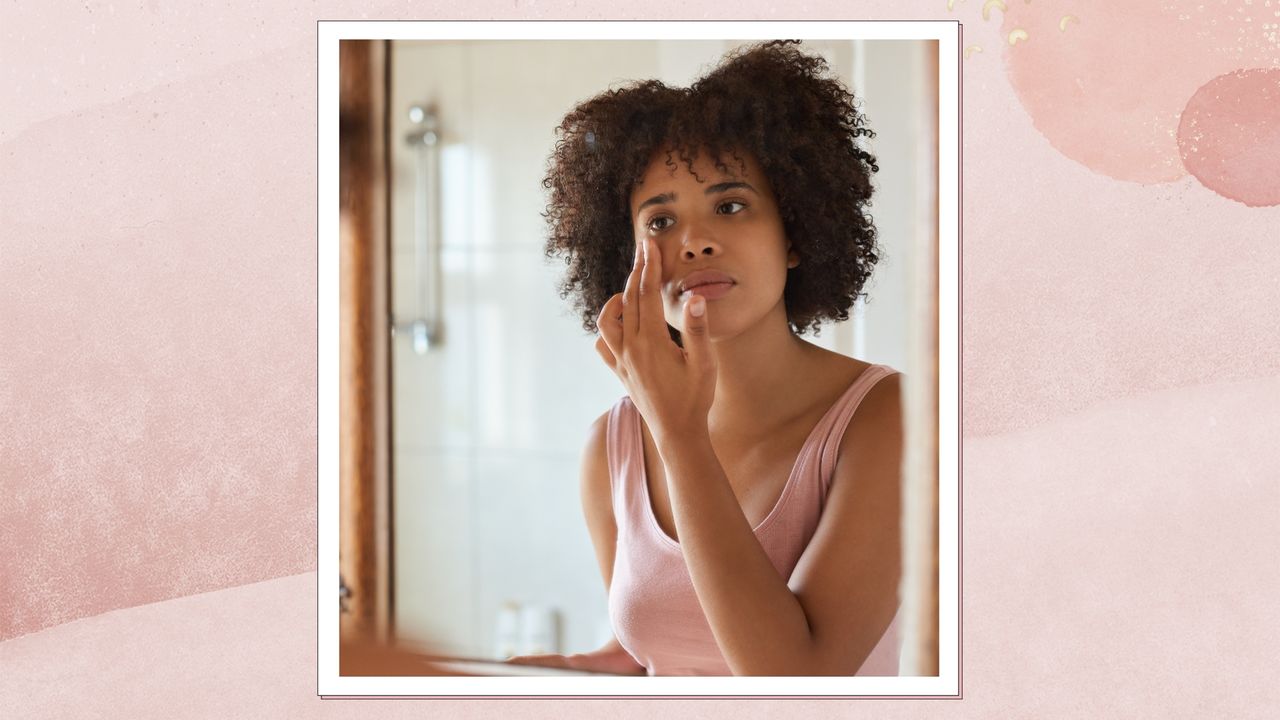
x=762, y=374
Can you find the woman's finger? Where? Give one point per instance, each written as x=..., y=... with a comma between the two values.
x=609, y=323
x=652, y=314
x=630, y=301
x=602, y=348
x=696, y=335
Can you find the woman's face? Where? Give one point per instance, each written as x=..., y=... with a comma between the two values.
x=721, y=238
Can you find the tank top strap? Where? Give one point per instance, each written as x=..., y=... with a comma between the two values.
x=625, y=449
x=833, y=425
x=618, y=436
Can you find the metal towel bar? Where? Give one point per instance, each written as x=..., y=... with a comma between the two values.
x=426, y=330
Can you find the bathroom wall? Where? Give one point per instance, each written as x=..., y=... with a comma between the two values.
x=487, y=429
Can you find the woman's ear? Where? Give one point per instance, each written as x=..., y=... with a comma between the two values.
x=793, y=258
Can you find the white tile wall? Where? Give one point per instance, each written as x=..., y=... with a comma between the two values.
x=434, y=571
x=433, y=405
x=888, y=102
x=430, y=74
x=509, y=397
x=532, y=546
x=520, y=92
x=544, y=382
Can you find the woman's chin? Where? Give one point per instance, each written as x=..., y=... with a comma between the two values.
x=715, y=332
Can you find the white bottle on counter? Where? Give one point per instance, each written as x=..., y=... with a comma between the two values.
x=507, y=635
x=539, y=631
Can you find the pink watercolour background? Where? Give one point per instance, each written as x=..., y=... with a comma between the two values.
x=157, y=370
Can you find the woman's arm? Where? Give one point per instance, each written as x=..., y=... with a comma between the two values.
x=842, y=595
x=597, y=507
x=843, y=592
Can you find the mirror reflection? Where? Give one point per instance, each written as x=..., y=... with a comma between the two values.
x=520, y=525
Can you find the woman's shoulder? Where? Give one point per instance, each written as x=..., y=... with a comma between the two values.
x=877, y=406
x=876, y=421
x=842, y=371
x=832, y=374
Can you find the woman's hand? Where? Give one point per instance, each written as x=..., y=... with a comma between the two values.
x=600, y=661
x=672, y=387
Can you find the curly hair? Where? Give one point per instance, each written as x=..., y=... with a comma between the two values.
x=769, y=100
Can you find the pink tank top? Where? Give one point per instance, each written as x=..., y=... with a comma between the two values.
x=652, y=605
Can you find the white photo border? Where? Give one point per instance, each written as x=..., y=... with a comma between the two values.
x=947, y=684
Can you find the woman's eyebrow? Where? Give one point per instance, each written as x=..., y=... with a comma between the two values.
x=665, y=198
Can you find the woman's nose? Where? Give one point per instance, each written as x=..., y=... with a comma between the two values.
x=697, y=244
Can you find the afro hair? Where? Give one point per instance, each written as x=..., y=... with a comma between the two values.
x=769, y=100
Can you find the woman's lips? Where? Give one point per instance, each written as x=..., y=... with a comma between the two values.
x=707, y=282
x=710, y=291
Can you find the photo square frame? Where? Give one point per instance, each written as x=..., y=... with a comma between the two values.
x=941, y=279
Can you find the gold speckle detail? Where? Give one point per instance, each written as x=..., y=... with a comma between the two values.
x=986, y=8
x=971, y=50
x=1017, y=35
x=1062, y=24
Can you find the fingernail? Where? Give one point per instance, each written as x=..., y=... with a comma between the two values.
x=697, y=305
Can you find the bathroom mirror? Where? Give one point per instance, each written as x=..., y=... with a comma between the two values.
x=493, y=383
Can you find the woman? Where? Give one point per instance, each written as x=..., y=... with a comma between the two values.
x=743, y=499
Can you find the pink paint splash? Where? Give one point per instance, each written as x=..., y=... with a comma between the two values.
x=1229, y=136
x=1106, y=82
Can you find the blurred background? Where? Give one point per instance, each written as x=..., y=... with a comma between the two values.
x=477, y=384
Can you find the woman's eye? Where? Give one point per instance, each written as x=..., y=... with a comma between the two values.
x=718, y=207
